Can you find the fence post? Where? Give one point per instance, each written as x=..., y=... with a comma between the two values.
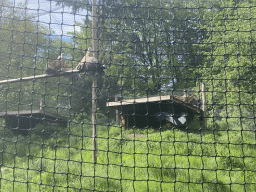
x=204, y=105
x=41, y=104
x=94, y=81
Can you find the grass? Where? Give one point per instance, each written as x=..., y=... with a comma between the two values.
x=213, y=159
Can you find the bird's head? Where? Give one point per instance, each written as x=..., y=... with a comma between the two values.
x=61, y=56
x=89, y=52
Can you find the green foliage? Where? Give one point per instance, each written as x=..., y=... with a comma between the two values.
x=229, y=65
x=150, y=52
x=144, y=53
x=25, y=50
x=23, y=43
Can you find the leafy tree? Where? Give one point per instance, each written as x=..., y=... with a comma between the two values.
x=148, y=47
x=25, y=49
x=229, y=49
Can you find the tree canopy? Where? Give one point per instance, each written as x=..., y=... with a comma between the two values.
x=228, y=67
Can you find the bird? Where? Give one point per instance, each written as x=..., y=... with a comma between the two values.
x=90, y=64
x=178, y=120
x=192, y=100
x=58, y=66
x=55, y=66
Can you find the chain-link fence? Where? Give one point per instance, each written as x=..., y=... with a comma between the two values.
x=127, y=95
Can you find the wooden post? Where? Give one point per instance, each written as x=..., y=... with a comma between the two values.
x=127, y=122
x=117, y=112
x=41, y=105
x=116, y=100
x=94, y=118
x=204, y=105
x=94, y=81
x=123, y=121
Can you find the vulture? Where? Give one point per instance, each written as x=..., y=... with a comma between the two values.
x=55, y=66
x=58, y=65
x=193, y=100
x=178, y=120
x=90, y=64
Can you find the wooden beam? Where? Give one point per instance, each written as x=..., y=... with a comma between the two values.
x=31, y=78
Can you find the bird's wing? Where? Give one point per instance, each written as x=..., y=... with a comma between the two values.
x=91, y=60
x=81, y=64
x=86, y=59
x=51, y=68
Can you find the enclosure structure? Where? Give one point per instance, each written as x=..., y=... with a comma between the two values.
x=148, y=48
x=143, y=112
x=23, y=120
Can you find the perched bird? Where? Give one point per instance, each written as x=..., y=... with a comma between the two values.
x=58, y=66
x=185, y=97
x=178, y=120
x=193, y=100
x=90, y=64
x=55, y=66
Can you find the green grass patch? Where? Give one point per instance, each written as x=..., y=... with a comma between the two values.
x=128, y=160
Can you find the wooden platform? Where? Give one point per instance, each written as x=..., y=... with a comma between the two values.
x=30, y=118
x=141, y=112
x=185, y=101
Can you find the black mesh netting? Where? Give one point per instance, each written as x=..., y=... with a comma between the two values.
x=127, y=95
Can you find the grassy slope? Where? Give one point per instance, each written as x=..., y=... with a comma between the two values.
x=143, y=161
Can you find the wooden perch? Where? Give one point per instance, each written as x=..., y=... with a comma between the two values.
x=88, y=63
x=31, y=78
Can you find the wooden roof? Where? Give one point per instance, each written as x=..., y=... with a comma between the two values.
x=177, y=99
x=41, y=113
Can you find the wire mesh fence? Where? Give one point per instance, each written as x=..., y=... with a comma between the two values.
x=127, y=95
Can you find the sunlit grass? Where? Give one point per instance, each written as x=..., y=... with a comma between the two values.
x=141, y=160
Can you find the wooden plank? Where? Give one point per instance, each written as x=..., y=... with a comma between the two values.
x=136, y=101
x=31, y=78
